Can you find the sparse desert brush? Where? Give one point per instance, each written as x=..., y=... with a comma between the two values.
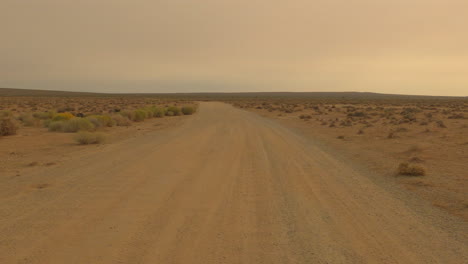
x=5, y=113
x=29, y=120
x=173, y=111
x=128, y=114
x=70, y=126
x=62, y=116
x=159, y=112
x=55, y=126
x=101, y=120
x=44, y=115
x=86, y=138
x=121, y=120
x=188, y=110
x=7, y=127
x=139, y=115
x=411, y=169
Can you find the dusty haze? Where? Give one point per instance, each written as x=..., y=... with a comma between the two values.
x=399, y=46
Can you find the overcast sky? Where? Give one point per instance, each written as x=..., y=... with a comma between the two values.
x=390, y=46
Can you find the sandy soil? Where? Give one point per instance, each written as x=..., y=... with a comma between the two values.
x=226, y=186
x=441, y=151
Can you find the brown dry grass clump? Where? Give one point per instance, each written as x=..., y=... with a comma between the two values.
x=411, y=169
x=86, y=138
x=7, y=127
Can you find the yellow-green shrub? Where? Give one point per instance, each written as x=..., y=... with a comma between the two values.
x=121, y=120
x=63, y=116
x=139, y=115
x=173, y=110
x=45, y=115
x=101, y=120
x=159, y=112
x=188, y=110
x=73, y=125
x=85, y=138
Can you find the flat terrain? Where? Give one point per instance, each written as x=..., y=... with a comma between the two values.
x=380, y=134
x=226, y=186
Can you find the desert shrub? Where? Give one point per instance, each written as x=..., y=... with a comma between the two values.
x=101, y=120
x=5, y=113
x=29, y=120
x=121, y=120
x=56, y=126
x=149, y=112
x=44, y=115
x=76, y=124
x=175, y=110
x=188, y=110
x=85, y=138
x=128, y=114
x=7, y=127
x=159, y=112
x=411, y=169
x=139, y=115
x=73, y=125
x=94, y=121
x=62, y=116
x=441, y=124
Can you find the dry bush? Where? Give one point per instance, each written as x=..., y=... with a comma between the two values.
x=44, y=115
x=70, y=126
x=173, y=111
x=411, y=169
x=101, y=120
x=86, y=138
x=121, y=120
x=62, y=116
x=188, y=110
x=4, y=114
x=441, y=124
x=159, y=112
x=139, y=115
x=29, y=120
x=7, y=127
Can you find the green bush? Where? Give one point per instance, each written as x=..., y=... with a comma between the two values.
x=188, y=110
x=174, y=109
x=76, y=124
x=70, y=126
x=139, y=115
x=7, y=127
x=85, y=138
x=159, y=112
x=56, y=126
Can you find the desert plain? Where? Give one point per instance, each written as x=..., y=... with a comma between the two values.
x=233, y=178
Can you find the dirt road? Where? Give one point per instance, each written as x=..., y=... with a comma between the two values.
x=227, y=186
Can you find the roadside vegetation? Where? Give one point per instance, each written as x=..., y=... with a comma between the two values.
x=85, y=115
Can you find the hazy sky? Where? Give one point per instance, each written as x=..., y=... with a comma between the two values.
x=393, y=46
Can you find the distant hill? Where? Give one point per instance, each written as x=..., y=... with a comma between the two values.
x=42, y=93
x=12, y=92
